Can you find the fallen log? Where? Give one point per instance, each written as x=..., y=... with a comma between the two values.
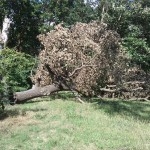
x=37, y=91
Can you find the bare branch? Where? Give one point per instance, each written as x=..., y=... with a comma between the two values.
x=111, y=86
x=121, y=90
x=135, y=82
x=108, y=90
x=77, y=69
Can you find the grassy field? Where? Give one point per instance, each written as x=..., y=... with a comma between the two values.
x=63, y=124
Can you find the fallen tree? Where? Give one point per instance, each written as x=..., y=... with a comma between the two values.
x=87, y=58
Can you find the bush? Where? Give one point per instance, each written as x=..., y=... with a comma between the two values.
x=15, y=69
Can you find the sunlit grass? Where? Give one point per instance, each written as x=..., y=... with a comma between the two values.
x=63, y=124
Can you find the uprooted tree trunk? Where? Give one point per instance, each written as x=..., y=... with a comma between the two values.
x=87, y=58
x=35, y=92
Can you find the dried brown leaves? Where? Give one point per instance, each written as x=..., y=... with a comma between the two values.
x=80, y=55
x=86, y=57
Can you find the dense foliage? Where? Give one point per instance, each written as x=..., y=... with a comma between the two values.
x=68, y=11
x=131, y=19
x=15, y=70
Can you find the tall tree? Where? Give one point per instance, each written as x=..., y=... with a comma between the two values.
x=5, y=31
x=24, y=28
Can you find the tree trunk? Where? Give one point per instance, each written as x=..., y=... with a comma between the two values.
x=36, y=92
x=5, y=31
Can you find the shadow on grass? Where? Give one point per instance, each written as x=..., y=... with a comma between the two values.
x=21, y=112
x=137, y=110
x=18, y=112
x=8, y=113
x=60, y=95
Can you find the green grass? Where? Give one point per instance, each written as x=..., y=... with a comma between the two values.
x=63, y=124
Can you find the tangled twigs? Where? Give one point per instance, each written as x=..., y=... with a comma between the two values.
x=89, y=59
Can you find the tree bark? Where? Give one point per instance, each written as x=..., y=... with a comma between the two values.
x=5, y=31
x=36, y=91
